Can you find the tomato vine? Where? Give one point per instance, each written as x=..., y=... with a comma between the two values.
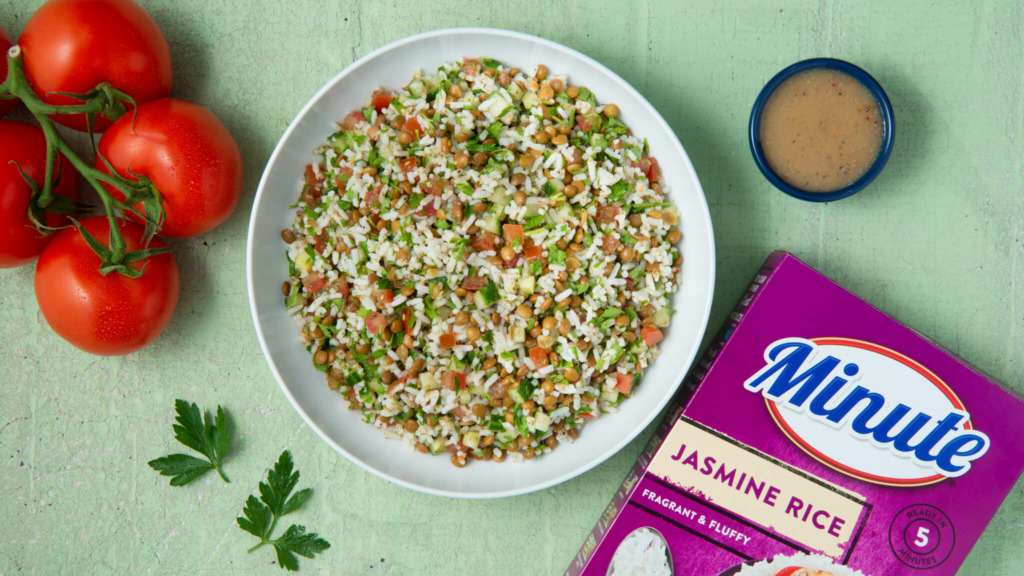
x=111, y=103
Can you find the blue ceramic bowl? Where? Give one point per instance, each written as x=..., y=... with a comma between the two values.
x=831, y=64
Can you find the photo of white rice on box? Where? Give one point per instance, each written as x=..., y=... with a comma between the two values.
x=483, y=262
x=643, y=552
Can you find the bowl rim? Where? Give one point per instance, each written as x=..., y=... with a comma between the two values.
x=674, y=144
x=831, y=64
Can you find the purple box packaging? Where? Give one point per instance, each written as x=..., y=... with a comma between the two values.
x=822, y=434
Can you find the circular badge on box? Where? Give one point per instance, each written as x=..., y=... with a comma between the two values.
x=922, y=536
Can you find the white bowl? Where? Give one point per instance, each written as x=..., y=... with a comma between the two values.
x=266, y=268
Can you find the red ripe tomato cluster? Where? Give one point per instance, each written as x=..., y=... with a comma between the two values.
x=72, y=47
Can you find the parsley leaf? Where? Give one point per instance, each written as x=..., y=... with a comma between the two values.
x=261, y=515
x=199, y=432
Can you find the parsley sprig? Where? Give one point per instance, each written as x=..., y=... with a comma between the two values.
x=199, y=432
x=261, y=516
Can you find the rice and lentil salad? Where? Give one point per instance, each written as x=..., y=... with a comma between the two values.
x=483, y=262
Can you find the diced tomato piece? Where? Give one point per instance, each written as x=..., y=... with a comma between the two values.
x=653, y=171
x=433, y=185
x=314, y=282
x=606, y=214
x=447, y=341
x=793, y=571
x=429, y=208
x=375, y=322
x=533, y=252
x=408, y=164
x=539, y=357
x=484, y=241
x=459, y=413
x=584, y=122
x=320, y=242
x=651, y=335
x=381, y=100
x=407, y=318
x=341, y=180
x=610, y=243
x=353, y=119
x=474, y=283
x=513, y=262
x=389, y=296
x=513, y=232
x=311, y=177
x=397, y=384
x=454, y=381
x=471, y=67
x=412, y=126
x=587, y=416
x=649, y=166
x=371, y=195
x=341, y=285
x=623, y=383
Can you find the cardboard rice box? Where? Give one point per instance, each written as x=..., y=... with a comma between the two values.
x=817, y=434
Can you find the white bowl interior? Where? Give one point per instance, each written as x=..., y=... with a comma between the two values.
x=390, y=68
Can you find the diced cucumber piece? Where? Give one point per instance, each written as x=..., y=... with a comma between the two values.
x=478, y=390
x=376, y=386
x=491, y=223
x=530, y=100
x=479, y=300
x=527, y=285
x=610, y=395
x=487, y=295
x=552, y=187
x=515, y=92
x=495, y=104
x=518, y=334
x=417, y=89
x=541, y=421
x=303, y=262
x=437, y=445
x=501, y=198
x=465, y=396
x=565, y=213
x=522, y=393
x=533, y=208
x=507, y=436
x=428, y=381
x=457, y=365
x=661, y=318
x=471, y=439
x=293, y=298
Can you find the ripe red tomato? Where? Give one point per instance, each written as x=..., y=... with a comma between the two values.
x=187, y=153
x=20, y=242
x=5, y=43
x=73, y=45
x=106, y=315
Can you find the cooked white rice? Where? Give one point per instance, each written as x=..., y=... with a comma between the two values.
x=483, y=262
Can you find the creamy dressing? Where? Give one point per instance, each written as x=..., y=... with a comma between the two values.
x=821, y=130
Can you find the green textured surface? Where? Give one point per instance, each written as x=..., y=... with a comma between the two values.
x=936, y=242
